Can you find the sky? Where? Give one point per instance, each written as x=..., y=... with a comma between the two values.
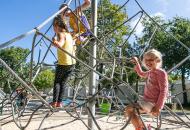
x=21, y=16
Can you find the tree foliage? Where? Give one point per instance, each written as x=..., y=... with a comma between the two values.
x=44, y=80
x=110, y=16
x=110, y=24
x=173, y=51
x=13, y=56
x=170, y=47
x=15, y=59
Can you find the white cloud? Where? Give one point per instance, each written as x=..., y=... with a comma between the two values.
x=159, y=14
x=140, y=27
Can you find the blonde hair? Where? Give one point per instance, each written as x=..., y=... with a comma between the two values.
x=154, y=54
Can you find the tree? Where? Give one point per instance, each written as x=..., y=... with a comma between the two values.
x=110, y=16
x=13, y=56
x=44, y=80
x=172, y=50
x=15, y=59
x=180, y=28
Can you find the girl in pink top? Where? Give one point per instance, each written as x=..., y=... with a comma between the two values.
x=156, y=87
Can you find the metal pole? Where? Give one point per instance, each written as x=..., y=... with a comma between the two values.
x=92, y=79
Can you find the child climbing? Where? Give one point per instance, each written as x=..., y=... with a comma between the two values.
x=66, y=63
x=78, y=21
x=155, y=91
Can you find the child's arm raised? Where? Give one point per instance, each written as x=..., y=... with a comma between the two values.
x=84, y=6
x=138, y=69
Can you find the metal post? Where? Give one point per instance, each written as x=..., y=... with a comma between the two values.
x=92, y=79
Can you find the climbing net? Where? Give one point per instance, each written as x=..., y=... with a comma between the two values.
x=110, y=63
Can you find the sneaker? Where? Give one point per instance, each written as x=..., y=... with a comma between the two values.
x=59, y=104
x=53, y=104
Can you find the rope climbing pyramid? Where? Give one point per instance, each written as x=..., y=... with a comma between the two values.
x=113, y=90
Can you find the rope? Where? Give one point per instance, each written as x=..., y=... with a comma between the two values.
x=162, y=27
x=110, y=79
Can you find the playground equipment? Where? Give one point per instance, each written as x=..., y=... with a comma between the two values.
x=105, y=60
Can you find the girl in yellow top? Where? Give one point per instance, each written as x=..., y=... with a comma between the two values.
x=65, y=66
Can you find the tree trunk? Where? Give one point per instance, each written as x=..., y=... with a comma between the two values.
x=183, y=86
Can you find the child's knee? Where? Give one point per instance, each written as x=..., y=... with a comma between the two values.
x=128, y=110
